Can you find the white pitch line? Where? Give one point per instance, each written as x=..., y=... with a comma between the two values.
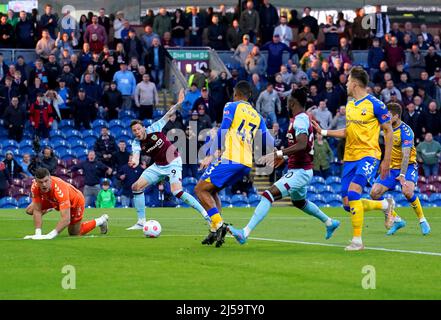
x=438, y=254
x=341, y=246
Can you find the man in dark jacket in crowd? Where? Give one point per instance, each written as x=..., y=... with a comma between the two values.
x=83, y=109
x=120, y=157
x=155, y=62
x=269, y=19
x=15, y=119
x=105, y=147
x=12, y=166
x=24, y=32
x=112, y=101
x=46, y=160
x=5, y=180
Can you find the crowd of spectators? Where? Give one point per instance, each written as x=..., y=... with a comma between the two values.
x=119, y=68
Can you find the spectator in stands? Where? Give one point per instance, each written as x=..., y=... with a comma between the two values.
x=310, y=56
x=307, y=35
x=133, y=46
x=360, y=34
x=255, y=63
x=331, y=33
x=428, y=153
x=437, y=42
x=275, y=54
x=6, y=33
x=241, y=53
x=268, y=18
x=118, y=26
x=412, y=118
x=382, y=24
x=24, y=163
x=46, y=159
x=24, y=32
x=422, y=45
x=146, y=97
x=94, y=171
x=40, y=115
x=178, y=28
x=432, y=60
x=268, y=104
x=6, y=93
x=14, y=120
x=190, y=164
x=323, y=157
x=284, y=31
x=386, y=92
x=45, y=46
x=396, y=32
x=13, y=168
x=196, y=26
x=257, y=86
x=95, y=44
x=121, y=156
x=147, y=37
x=218, y=93
x=128, y=177
x=83, y=109
x=64, y=42
x=12, y=19
x=155, y=62
x=394, y=54
x=416, y=63
x=431, y=121
x=190, y=97
x=104, y=21
x=322, y=114
x=427, y=37
x=250, y=21
x=5, y=180
x=82, y=26
x=243, y=186
x=149, y=18
x=162, y=22
x=234, y=36
x=309, y=21
x=216, y=34
x=126, y=84
x=379, y=75
x=106, y=197
x=205, y=101
x=95, y=28
x=49, y=21
x=105, y=147
x=332, y=97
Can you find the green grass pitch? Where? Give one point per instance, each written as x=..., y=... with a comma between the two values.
x=126, y=265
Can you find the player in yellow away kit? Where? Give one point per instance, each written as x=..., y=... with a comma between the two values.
x=404, y=170
x=365, y=116
x=240, y=124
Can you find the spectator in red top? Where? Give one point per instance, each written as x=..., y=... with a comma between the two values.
x=41, y=116
x=95, y=28
x=394, y=53
x=96, y=46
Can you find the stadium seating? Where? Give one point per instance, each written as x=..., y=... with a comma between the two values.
x=318, y=181
x=57, y=134
x=23, y=202
x=239, y=200
x=8, y=203
x=189, y=183
x=126, y=114
x=334, y=200
x=254, y=200
x=226, y=201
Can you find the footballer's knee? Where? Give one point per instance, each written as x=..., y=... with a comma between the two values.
x=137, y=188
x=30, y=209
x=376, y=192
x=300, y=204
x=408, y=193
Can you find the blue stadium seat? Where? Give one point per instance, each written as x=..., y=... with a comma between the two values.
x=424, y=197
x=115, y=130
x=90, y=141
x=66, y=124
x=75, y=142
x=126, y=135
x=25, y=142
x=189, y=183
x=13, y=149
x=239, y=200
x=254, y=200
x=73, y=133
x=57, y=134
x=318, y=180
x=9, y=143
x=316, y=197
x=400, y=197
x=8, y=203
x=158, y=113
x=226, y=201
x=23, y=202
x=333, y=180
x=126, y=123
x=328, y=189
x=65, y=154
x=99, y=123
x=147, y=122
x=311, y=189
x=334, y=200
x=59, y=142
x=253, y=190
x=79, y=151
x=126, y=114
x=335, y=168
x=115, y=122
x=26, y=149
x=89, y=133
x=61, y=149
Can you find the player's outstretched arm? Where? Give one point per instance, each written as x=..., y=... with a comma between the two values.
x=388, y=136
x=340, y=133
x=135, y=160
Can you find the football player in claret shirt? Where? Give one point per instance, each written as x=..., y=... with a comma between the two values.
x=404, y=170
x=49, y=193
x=166, y=163
x=365, y=116
x=300, y=154
x=240, y=124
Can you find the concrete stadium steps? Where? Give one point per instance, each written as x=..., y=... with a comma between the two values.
x=165, y=99
x=262, y=183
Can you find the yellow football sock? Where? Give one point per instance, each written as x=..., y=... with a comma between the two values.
x=416, y=206
x=215, y=220
x=394, y=214
x=357, y=212
x=370, y=205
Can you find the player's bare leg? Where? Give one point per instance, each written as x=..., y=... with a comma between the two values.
x=387, y=205
x=178, y=192
x=409, y=192
x=30, y=210
x=82, y=228
x=204, y=191
x=139, y=202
